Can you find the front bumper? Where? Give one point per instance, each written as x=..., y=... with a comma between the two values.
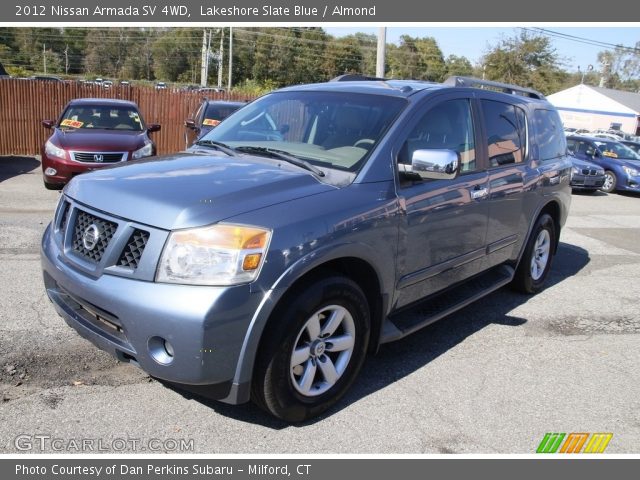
x=628, y=183
x=66, y=169
x=586, y=182
x=205, y=325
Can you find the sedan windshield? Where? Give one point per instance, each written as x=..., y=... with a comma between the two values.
x=326, y=129
x=101, y=117
x=616, y=150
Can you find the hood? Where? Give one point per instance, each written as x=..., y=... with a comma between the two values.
x=189, y=190
x=99, y=140
x=579, y=163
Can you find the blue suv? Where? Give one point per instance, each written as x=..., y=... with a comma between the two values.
x=307, y=229
x=621, y=164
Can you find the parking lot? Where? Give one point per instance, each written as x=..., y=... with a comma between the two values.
x=493, y=378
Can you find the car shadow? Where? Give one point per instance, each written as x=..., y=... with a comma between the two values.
x=13, y=166
x=589, y=193
x=399, y=359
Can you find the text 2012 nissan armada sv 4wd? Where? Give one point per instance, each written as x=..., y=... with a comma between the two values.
x=308, y=228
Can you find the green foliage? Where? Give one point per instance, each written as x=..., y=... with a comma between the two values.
x=526, y=60
x=253, y=88
x=417, y=58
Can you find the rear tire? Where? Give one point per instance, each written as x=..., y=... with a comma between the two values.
x=610, y=181
x=312, y=349
x=537, y=257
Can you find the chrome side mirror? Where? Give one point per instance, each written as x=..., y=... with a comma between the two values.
x=437, y=164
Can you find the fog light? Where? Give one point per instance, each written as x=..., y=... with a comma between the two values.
x=49, y=172
x=161, y=350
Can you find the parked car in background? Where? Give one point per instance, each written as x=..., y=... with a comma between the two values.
x=608, y=136
x=92, y=133
x=620, y=163
x=304, y=231
x=633, y=145
x=207, y=116
x=161, y=86
x=46, y=78
x=586, y=176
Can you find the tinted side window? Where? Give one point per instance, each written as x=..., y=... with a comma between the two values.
x=551, y=139
x=506, y=132
x=448, y=125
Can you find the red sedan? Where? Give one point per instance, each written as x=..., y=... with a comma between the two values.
x=92, y=133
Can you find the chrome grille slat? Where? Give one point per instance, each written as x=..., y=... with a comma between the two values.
x=106, y=230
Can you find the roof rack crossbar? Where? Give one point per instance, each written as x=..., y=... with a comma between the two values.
x=351, y=77
x=503, y=87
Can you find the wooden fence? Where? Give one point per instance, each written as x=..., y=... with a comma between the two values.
x=25, y=103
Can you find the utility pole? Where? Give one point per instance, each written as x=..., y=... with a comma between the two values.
x=204, y=59
x=44, y=57
x=66, y=59
x=382, y=45
x=220, y=58
x=230, y=57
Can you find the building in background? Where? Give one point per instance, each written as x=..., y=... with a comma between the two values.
x=594, y=108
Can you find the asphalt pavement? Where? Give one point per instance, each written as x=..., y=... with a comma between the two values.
x=493, y=378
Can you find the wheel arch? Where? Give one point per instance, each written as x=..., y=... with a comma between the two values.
x=355, y=261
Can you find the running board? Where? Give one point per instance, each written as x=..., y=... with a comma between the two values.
x=440, y=305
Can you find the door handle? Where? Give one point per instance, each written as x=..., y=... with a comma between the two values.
x=477, y=193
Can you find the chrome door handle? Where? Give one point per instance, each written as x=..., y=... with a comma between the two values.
x=479, y=193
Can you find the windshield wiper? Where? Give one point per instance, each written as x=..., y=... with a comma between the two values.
x=218, y=145
x=281, y=155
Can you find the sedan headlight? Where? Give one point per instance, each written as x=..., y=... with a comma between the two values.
x=576, y=171
x=53, y=150
x=145, y=151
x=632, y=172
x=220, y=254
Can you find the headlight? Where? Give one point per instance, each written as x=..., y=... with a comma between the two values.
x=575, y=171
x=145, y=151
x=632, y=172
x=54, y=151
x=216, y=255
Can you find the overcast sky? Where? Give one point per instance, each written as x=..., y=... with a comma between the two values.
x=473, y=42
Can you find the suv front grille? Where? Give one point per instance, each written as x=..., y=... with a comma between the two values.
x=133, y=251
x=97, y=157
x=105, y=230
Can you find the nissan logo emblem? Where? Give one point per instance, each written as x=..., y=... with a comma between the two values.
x=90, y=237
x=98, y=157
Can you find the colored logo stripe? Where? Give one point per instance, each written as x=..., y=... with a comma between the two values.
x=550, y=443
x=598, y=442
x=574, y=443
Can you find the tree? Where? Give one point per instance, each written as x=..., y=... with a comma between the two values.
x=460, y=66
x=417, y=58
x=525, y=60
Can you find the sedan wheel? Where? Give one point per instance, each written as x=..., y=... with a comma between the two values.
x=610, y=181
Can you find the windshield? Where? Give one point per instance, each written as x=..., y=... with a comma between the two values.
x=101, y=117
x=616, y=150
x=216, y=113
x=327, y=129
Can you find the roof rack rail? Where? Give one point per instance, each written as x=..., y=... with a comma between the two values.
x=457, y=81
x=352, y=77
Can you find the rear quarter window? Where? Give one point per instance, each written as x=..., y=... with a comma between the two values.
x=550, y=138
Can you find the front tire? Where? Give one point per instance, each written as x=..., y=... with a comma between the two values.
x=313, y=349
x=537, y=257
x=610, y=181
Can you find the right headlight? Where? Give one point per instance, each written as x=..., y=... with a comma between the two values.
x=221, y=254
x=53, y=150
x=632, y=172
